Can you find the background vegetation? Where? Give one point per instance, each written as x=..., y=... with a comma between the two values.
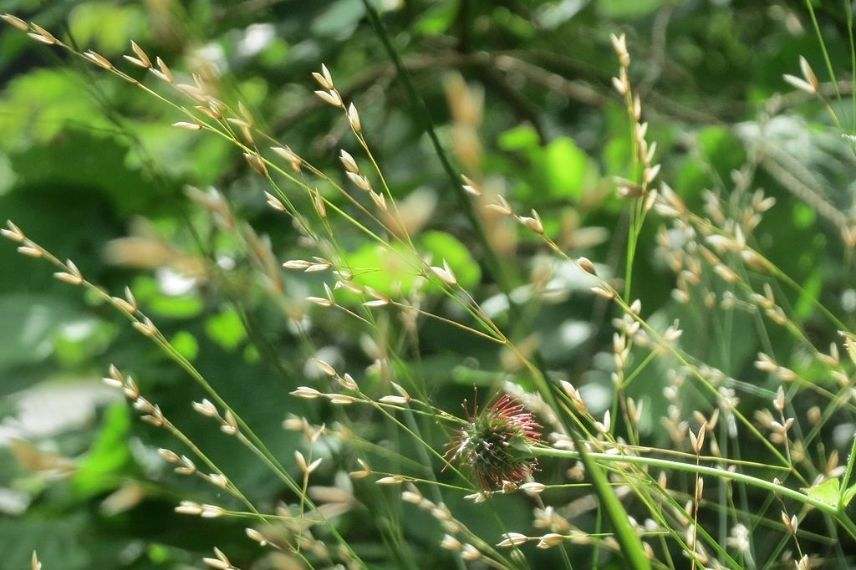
x=521, y=94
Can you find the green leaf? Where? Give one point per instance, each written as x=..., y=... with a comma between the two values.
x=107, y=25
x=810, y=293
x=186, y=345
x=393, y=272
x=617, y=156
x=387, y=271
x=848, y=495
x=226, y=329
x=38, y=105
x=566, y=167
x=446, y=247
x=629, y=9
x=519, y=138
x=436, y=19
x=631, y=545
x=109, y=457
x=722, y=148
x=804, y=216
x=177, y=307
x=826, y=492
x=94, y=167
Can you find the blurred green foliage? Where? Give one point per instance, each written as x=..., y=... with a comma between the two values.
x=84, y=158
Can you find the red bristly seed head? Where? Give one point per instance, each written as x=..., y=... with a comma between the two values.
x=486, y=445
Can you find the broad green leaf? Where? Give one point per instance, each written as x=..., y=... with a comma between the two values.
x=722, y=148
x=566, y=168
x=81, y=163
x=827, y=492
x=804, y=215
x=519, y=138
x=226, y=329
x=38, y=105
x=617, y=156
x=107, y=26
x=848, y=495
x=559, y=169
x=446, y=247
x=177, y=307
x=511, y=24
x=394, y=272
x=628, y=9
x=388, y=272
x=810, y=293
x=109, y=457
x=185, y=343
x=437, y=19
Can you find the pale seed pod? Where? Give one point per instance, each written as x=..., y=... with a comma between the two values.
x=146, y=327
x=42, y=35
x=586, y=265
x=394, y=400
x=331, y=97
x=12, y=232
x=348, y=161
x=511, y=539
x=289, y=155
x=470, y=553
x=324, y=79
x=206, y=408
x=550, y=540
x=256, y=536
x=256, y=163
x=98, y=60
x=169, y=456
x=449, y=542
x=188, y=508
x=68, y=278
x=220, y=563
x=140, y=58
x=391, y=480
x=354, y=118
x=15, y=22
x=532, y=488
x=219, y=480
x=162, y=72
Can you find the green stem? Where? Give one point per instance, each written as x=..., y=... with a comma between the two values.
x=822, y=43
x=424, y=117
x=782, y=276
x=848, y=472
x=630, y=543
x=841, y=517
x=848, y=11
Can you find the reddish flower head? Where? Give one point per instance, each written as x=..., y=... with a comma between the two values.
x=486, y=445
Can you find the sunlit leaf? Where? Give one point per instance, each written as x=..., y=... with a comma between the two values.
x=109, y=457
x=827, y=492
x=226, y=329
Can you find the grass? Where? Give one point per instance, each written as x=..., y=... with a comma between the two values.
x=494, y=450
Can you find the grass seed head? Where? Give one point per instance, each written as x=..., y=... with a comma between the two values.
x=486, y=444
